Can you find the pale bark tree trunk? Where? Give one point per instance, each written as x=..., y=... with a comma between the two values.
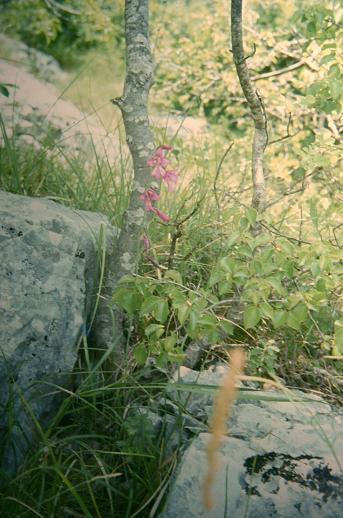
x=123, y=258
x=255, y=104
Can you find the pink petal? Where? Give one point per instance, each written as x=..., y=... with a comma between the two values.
x=151, y=162
x=161, y=215
x=170, y=178
x=147, y=197
x=166, y=147
x=158, y=172
x=152, y=194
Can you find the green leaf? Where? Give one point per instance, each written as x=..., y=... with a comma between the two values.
x=286, y=246
x=193, y=319
x=261, y=240
x=154, y=329
x=275, y=283
x=207, y=321
x=127, y=299
x=335, y=89
x=245, y=250
x=226, y=264
x=169, y=342
x=266, y=310
x=328, y=58
x=183, y=312
x=216, y=277
x=294, y=299
x=297, y=316
x=174, y=276
x=127, y=279
x=176, y=296
x=225, y=287
x=161, y=310
x=149, y=305
x=335, y=71
x=233, y=239
x=300, y=312
x=279, y=318
x=251, y=317
x=140, y=354
x=227, y=327
x=4, y=91
x=244, y=223
x=251, y=215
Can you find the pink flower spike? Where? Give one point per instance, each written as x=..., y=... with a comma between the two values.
x=170, y=178
x=162, y=215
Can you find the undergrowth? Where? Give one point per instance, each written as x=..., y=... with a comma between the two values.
x=206, y=279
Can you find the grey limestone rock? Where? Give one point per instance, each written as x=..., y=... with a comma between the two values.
x=48, y=279
x=280, y=459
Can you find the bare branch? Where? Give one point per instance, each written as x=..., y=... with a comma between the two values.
x=280, y=71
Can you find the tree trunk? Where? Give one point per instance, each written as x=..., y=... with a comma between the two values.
x=255, y=104
x=123, y=258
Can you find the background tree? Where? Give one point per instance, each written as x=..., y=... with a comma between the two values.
x=255, y=104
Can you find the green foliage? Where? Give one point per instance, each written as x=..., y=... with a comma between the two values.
x=202, y=72
x=322, y=24
x=55, y=26
x=280, y=284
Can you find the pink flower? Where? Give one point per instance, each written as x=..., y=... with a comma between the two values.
x=148, y=196
x=162, y=215
x=170, y=178
x=158, y=161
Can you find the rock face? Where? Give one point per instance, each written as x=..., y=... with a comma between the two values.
x=36, y=113
x=48, y=279
x=281, y=458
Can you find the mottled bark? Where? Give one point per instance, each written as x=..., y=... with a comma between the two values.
x=133, y=103
x=255, y=105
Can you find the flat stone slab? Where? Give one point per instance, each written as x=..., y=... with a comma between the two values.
x=280, y=459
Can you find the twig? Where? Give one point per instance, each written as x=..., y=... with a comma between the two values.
x=226, y=152
x=280, y=71
x=288, y=135
x=178, y=233
x=275, y=231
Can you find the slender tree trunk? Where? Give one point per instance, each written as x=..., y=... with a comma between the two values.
x=123, y=258
x=255, y=104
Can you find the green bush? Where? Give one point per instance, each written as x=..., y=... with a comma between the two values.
x=263, y=287
x=65, y=30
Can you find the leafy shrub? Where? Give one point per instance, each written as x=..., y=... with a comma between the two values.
x=263, y=287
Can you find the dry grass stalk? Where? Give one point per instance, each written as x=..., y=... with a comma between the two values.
x=222, y=404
